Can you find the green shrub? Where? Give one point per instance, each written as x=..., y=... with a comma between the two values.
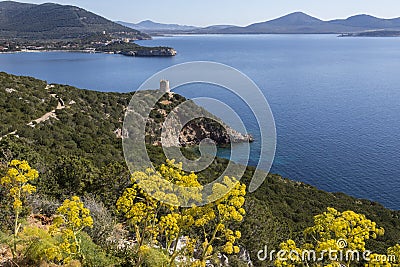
x=152, y=257
x=36, y=241
x=94, y=256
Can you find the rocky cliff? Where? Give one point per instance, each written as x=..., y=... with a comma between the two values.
x=189, y=122
x=24, y=100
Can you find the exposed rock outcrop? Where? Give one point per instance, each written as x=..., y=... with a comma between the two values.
x=199, y=129
x=174, y=121
x=156, y=52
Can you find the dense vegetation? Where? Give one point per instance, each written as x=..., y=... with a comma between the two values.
x=79, y=153
x=56, y=27
x=53, y=21
x=132, y=49
x=22, y=99
x=180, y=236
x=336, y=239
x=124, y=47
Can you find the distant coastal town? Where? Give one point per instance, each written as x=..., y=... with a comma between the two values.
x=112, y=43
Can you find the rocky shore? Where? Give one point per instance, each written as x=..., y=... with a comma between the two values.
x=157, y=52
x=201, y=129
x=162, y=52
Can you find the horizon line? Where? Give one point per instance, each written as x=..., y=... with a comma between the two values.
x=113, y=18
x=267, y=20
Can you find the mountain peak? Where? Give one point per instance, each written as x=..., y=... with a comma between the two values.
x=362, y=16
x=147, y=21
x=298, y=13
x=297, y=17
x=52, y=21
x=366, y=22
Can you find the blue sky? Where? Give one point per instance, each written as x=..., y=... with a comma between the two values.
x=238, y=12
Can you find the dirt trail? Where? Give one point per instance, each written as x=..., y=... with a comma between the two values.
x=45, y=117
x=12, y=133
x=48, y=115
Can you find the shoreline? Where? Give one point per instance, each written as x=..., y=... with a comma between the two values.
x=56, y=50
x=82, y=51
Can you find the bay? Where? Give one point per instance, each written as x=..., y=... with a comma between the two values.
x=336, y=101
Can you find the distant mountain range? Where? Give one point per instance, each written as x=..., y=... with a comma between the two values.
x=151, y=26
x=294, y=23
x=53, y=21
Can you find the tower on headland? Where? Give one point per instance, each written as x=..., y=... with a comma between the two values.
x=164, y=86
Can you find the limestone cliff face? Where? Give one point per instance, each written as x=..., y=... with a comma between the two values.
x=197, y=130
x=177, y=122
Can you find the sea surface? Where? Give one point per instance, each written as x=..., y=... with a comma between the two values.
x=336, y=101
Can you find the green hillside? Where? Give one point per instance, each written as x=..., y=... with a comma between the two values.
x=78, y=152
x=54, y=21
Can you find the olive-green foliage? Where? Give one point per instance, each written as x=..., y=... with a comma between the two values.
x=124, y=47
x=5, y=240
x=237, y=262
x=83, y=141
x=95, y=256
x=22, y=99
x=154, y=258
x=293, y=206
x=53, y=21
x=6, y=212
x=36, y=241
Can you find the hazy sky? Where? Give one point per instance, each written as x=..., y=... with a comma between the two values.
x=238, y=12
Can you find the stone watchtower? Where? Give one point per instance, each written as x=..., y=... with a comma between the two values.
x=164, y=86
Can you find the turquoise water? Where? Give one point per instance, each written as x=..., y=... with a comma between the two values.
x=336, y=101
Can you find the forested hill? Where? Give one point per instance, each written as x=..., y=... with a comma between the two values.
x=70, y=136
x=30, y=107
x=54, y=21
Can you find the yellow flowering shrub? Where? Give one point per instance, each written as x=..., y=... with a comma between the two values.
x=17, y=182
x=293, y=259
x=216, y=216
x=349, y=226
x=391, y=259
x=72, y=217
x=333, y=231
x=378, y=260
x=153, y=220
x=394, y=252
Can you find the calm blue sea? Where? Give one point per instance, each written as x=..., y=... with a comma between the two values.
x=336, y=101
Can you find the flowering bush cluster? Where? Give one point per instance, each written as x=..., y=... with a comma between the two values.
x=165, y=233
x=333, y=232
x=154, y=222
x=72, y=217
x=60, y=243
x=17, y=182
